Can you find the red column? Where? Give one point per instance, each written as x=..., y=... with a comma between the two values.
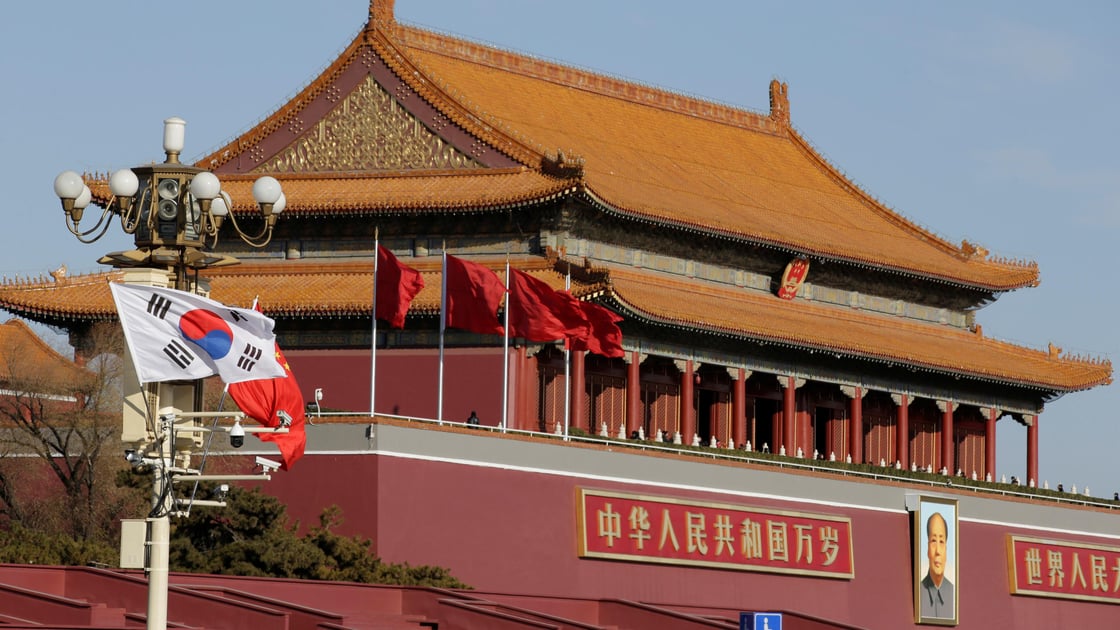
x=948, y=459
x=855, y=422
x=713, y=415
x=739, y=407
x=579, y=393
x=805, y=426
x=513, y=418
x=776, y=432
x=633, y=393
x=902, y=430
x=530, y=396
x=524, y=381
x=789, y=416
x=688, y=417
x=990, y=443
x=1032, y=449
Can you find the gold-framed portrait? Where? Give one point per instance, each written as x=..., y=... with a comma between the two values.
x=935, y=561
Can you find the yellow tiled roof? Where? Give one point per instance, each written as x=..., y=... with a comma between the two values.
x=763, y=316
x=678, y=160
x=646, y=153
x=309, y=289
x=34, y=356
x=293, y=288
x=451, y=190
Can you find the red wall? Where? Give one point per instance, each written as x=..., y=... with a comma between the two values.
x=515, y=532
x=407, y=381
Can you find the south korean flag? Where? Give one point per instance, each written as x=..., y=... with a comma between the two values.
x=173, y=335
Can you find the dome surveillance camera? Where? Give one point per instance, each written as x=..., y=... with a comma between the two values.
x=236, y=435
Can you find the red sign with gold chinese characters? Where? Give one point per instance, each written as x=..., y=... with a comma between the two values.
x=641, y=528
x=793, y=278
x=1062, y=569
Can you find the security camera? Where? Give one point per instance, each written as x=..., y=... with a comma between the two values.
x=131, y=457
x=236, y=435
x=221, y=492
x=285, y=418
x=267, y=464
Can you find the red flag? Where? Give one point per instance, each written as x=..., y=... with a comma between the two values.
x=538, y=312
x=473, y=295
x=263, y=399
x=605, y=337
x=397, y=285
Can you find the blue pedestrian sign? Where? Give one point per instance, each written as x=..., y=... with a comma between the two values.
x=760, y=621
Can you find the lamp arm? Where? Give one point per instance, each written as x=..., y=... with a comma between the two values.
x=100, y=227
x=209, y=231
x=258, y=240
x=150, y=219
x=130, y=219
x=209, y=227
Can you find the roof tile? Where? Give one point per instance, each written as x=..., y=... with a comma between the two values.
x=309, y=289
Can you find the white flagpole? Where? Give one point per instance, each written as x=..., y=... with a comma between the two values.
x=442, y=328
x=373, y=316
x=505, y=355
x=567, y=368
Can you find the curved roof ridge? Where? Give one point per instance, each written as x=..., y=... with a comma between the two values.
x=53, y=279
x=939, y=347
x=965, y=251
x=291, y=106
x=524, y=262
x=387, y=174
x=380, y=38
x=406, y=191
x=285, y=100
x=798, y=173
x=47, y=355
x=601, y=202
x=18, y=326
x=599, y=82
x=455, y=106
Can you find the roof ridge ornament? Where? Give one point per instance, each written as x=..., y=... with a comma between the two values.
x=380, y=13
x=566, y=166
x=779, y=102
x=974, y=250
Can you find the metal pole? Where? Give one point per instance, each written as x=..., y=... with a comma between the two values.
x=442, y=330
x=373, y=316
x=505, y=355
x=160, y=537
x=159, y=526
x=567, y=369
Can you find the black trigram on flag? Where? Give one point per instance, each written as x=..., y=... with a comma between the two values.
x=178, y=353
x=158, y=306
x=249, y=357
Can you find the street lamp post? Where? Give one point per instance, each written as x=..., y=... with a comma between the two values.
x=175, y=213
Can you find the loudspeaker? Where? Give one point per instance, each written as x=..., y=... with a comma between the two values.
x=168, y=209
x=168, y=189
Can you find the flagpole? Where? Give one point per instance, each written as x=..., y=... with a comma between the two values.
x=373, y=316
x=442, y=328
x=567, y=367
x=505, y=355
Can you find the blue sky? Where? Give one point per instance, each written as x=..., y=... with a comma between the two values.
x=992, y=122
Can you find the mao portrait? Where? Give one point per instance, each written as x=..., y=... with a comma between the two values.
x=935, y=561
